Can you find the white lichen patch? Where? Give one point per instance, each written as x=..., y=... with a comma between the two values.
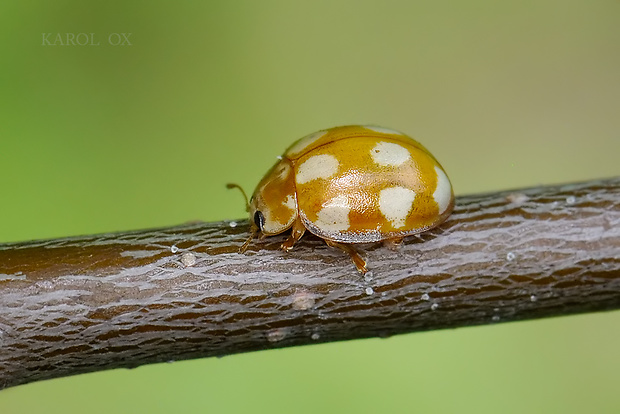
x=16, y=276
x=303, y=300
x=276, y=335
x=517, y=198
x=188, y=259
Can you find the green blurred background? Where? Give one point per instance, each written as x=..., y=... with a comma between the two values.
x=107, y=138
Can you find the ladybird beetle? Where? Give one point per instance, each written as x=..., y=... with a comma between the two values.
x=351, y=184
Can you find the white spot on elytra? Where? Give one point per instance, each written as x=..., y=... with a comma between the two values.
x=533, y=298
x=382, y=130
x=174, y=249
x=317, y=166
x=334, y=216
x=305, y=142
x=369, y=291
x=434, y=306
x=233, y=224
x=510, y=256
x=571, y=200
x=425, y=297
x=443, y=191
x=388, y=153
x=315, y=336
x=395, y=204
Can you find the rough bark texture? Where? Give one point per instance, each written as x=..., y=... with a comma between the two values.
x=82, y=304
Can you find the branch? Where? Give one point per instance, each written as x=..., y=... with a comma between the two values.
x=82, y=304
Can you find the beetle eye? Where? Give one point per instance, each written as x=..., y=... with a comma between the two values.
x=259, y=220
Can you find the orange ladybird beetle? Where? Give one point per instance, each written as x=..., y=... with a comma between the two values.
x=351, y=184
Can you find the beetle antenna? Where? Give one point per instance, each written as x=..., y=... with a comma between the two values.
x=245, y=197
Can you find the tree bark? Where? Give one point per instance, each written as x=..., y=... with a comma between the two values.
x=82, y=304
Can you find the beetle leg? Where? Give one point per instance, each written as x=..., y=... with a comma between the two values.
x=244, y=246
x=355, y=256
x=297, y=231
x=393, y=244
